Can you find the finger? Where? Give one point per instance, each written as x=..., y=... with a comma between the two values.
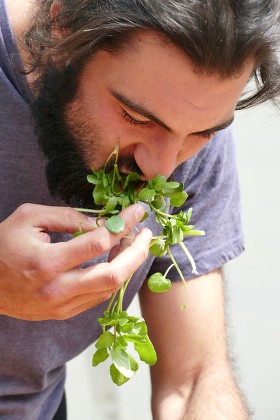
x=113, y=253
x=124, y=243
x=78, y=304
x=53, y=219
x=66, y=255
x=108, y=277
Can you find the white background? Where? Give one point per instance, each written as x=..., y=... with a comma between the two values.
x=252, y=294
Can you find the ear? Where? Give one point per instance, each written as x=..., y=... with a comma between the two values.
x=57, y=31
x=55, y=9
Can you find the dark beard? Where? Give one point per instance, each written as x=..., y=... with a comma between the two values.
x=66, y=171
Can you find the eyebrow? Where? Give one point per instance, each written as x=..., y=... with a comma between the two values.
x=140, y=109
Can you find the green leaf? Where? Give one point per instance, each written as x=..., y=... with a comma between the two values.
x=193, y=232
x=125, y=202
x=78, y=233
x=158, y=247
x=134, y=338
x=146, y=215
x=158, y=202
x=146, y=194
x=117, y=377
x=123, y=322
x=92, y=179
x=111, y=204
x=121, y=361
x=189, y=214
x=115, y=224
x=99, y=356
x=146, y=352
x=158, y=182
x=133, y=364
x=172, y=185
x=158, y=283
x=105, y=182
x=133, y=176
x=99, y=194
x=175, y=235
x=120, y=343
x=134, y=318
x=140, y=328
x=105, y=340
x=127, y=327
x=177, y=199
x=137, y=328
x=107, y=322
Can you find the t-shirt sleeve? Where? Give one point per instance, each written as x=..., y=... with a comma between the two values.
x=211, y=181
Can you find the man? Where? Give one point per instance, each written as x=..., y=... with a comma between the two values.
x=161, y=79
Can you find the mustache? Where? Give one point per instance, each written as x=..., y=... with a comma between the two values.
x=126, y=164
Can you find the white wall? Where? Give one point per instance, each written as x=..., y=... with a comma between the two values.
x=254, y=279
x=252, y=289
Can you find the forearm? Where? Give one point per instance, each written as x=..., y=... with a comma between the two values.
x=212, y=395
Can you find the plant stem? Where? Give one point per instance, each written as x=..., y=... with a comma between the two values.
x=177, y=267
x=190, y=258
x=127, y=282
x=114, y=152
x=90, y=211
x=167, y=271
x=111, y=301
x=161, y=213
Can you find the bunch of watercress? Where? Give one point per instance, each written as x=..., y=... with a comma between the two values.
x=113, y=192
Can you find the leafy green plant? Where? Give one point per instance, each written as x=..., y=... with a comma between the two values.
x=113, y=192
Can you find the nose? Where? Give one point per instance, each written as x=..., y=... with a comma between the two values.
x=157, y=158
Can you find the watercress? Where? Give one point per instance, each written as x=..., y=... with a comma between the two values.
x=113, y=192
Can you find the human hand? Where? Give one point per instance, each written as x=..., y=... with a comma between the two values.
x=40, y=280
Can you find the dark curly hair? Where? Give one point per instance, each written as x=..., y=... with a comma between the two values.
x=219, y=36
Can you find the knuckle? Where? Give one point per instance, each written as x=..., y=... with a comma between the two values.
x=69, y=215
x=98, y=246
x=129, y=225
x=49, y=294
x=25, y=210
x=46, y=269
x=112, y=281
x=106, y=296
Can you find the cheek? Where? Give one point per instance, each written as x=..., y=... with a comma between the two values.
x=192, y=146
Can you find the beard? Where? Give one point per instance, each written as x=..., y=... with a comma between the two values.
x=59, y=137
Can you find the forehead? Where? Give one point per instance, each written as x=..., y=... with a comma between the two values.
x=153, y=72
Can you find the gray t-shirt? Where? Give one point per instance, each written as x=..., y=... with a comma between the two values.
x=33, y=354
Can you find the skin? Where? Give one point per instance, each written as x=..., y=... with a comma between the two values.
x=175, y=105
x=145, y=75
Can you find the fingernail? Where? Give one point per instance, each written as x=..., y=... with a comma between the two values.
x=92, y=220
x=148, y=233
x=139, y=212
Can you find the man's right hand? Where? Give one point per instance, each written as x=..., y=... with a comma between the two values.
x=40, y=280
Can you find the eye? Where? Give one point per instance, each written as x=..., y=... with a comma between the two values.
x=133, y=121
x=207, y=136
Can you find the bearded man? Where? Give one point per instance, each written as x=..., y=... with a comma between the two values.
x=162, y=79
